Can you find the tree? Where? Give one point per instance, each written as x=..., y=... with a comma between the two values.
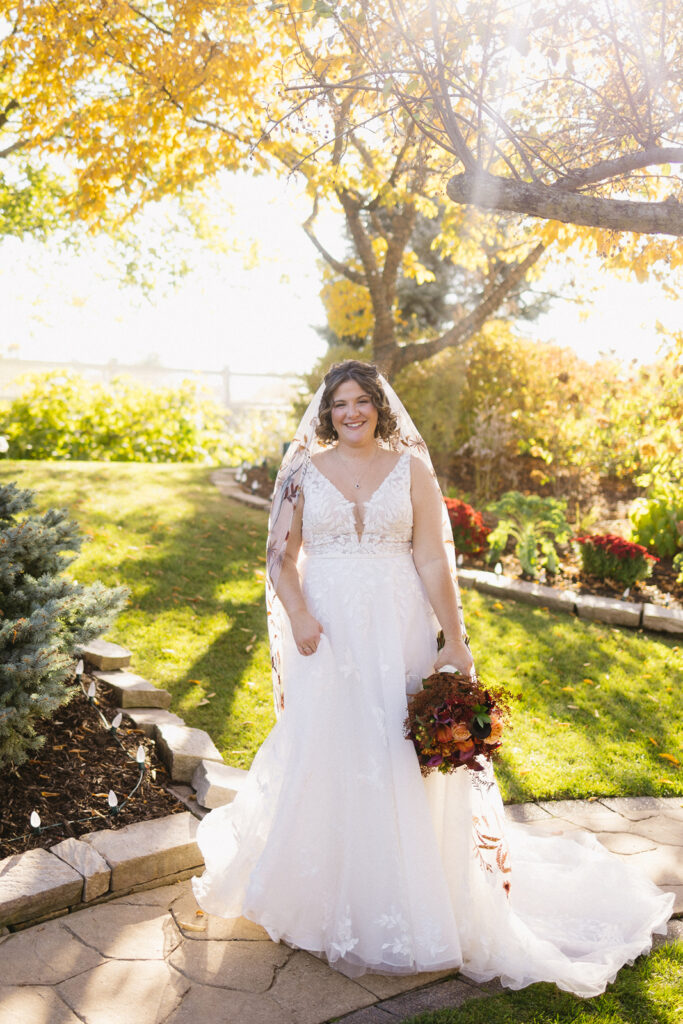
x=141, y=101
x=565, y=110
x=43, y=616
x=130, y=102
x=429, y=285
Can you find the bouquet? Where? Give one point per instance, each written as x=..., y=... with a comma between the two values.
x=454, y=720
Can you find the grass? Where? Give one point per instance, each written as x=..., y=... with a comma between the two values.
x=647, y=993
x=598, y=705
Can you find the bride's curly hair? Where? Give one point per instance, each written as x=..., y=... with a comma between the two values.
x=367, y=376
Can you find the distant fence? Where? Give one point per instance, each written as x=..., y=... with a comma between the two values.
x=232, y=390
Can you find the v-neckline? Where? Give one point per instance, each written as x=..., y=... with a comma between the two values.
x=376, y=490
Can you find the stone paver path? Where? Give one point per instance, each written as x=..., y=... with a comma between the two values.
x=154, y=958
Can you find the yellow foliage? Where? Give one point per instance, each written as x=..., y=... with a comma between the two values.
x=348, y=307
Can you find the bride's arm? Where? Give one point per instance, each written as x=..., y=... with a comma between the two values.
x=305, y=628
x=431, y=562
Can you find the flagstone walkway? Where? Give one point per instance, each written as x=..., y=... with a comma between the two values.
x=153, y=958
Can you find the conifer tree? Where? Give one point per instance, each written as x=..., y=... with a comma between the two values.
x=44, y=616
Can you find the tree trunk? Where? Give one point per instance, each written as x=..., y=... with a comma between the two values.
x=551, y=202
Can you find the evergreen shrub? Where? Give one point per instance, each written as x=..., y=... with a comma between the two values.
x=44, y=618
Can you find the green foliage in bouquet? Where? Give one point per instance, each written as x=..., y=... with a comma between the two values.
x=44, y=617
x=658, y=520
x=62, y=415
x=537, y=525
x=610, y=557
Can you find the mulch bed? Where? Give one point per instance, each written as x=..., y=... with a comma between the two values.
x=69, y=778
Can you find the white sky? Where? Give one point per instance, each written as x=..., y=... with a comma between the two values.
x=256, y=318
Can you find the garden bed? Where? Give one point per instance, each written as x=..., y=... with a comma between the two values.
x=660, y=589
x=69, y=779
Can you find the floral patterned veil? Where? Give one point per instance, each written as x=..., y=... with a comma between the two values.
x=286, y=493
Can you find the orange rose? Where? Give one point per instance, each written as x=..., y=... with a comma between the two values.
x=466, y=748
x=496, y=730
x=443, y=733
x=461, y=732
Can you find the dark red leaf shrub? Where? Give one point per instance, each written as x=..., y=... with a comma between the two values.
x=608, y=556
x=469, y=532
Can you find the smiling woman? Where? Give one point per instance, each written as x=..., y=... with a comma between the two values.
x=335, y=843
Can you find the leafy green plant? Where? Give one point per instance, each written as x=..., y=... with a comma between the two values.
x=678, y=567
x=658, y=520
x=608, y=556
x=62, y=415
x=537, y=525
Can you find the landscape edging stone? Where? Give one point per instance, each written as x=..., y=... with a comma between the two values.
x=149, y=871
x=593, y=607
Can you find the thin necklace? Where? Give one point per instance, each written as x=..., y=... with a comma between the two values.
x=358, y=481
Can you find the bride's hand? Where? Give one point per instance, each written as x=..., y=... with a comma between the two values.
x=307, y=631
x=456, y=653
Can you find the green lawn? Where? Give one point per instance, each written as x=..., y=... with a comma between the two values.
x=650, y=992
x=599, y=705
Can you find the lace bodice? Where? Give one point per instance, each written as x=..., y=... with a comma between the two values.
x=330, y=526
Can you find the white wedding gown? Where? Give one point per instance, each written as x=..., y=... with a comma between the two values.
x=336, y=844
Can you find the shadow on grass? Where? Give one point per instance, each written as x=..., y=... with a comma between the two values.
x=194, y=563
x=597, y=698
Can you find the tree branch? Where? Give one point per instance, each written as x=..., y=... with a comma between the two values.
x=549, y=202
x=341, y=268
x=620, y=165
x=463, y=329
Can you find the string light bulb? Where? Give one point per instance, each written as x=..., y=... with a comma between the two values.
x=140, y=756
x=116, y=722
x=498, y=568
x=92, y=690
x=113, y=802
x=35, y=821
x=79, y=669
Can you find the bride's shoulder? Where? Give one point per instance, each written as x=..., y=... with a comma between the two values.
x=320, y=459
x=419, y=470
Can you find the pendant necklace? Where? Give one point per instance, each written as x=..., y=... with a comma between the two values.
x=358, y=481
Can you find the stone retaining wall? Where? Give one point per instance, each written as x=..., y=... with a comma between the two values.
x=41, y=884
x=586, y=606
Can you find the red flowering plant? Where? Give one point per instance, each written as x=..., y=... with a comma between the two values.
x=454, y=720
x=608, y=556
x=469, y=532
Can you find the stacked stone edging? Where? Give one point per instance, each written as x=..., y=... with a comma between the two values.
x=224, y=480
x=40, y=884
x=586, y=606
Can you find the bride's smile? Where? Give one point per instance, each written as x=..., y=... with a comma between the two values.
x=354, y=415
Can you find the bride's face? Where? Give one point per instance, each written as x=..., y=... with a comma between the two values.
x=354, y=415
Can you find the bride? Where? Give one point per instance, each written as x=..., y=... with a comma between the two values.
x=335, y=843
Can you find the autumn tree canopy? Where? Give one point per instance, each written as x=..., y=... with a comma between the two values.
x=109, y=105
x=113, y=104
x=568, y=110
